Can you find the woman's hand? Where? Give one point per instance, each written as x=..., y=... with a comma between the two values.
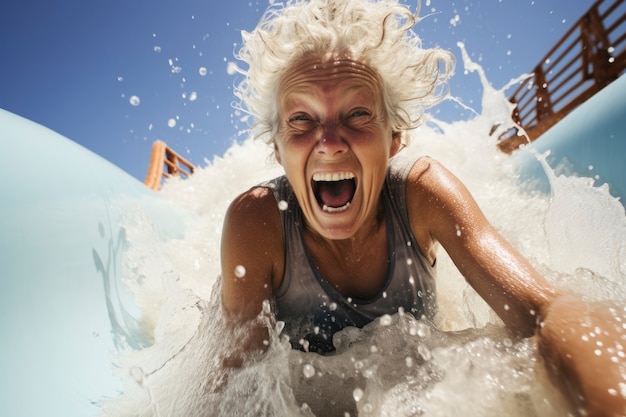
x=584, y=349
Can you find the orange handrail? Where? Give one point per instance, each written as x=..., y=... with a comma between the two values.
x=591, y=55
x=165, y=162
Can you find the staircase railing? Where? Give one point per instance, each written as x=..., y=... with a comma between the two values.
x=590, y=56
x=165, y=162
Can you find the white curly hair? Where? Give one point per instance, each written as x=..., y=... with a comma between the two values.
x=376, y=33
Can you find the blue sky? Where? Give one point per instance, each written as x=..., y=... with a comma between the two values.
x=76, y=66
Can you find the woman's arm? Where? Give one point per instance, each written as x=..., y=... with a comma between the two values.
x=251, y=253
x=579, y=342
x=445, y=212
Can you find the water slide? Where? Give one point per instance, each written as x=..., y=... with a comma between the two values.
x=63, y=310
x=588, y=142
x=62, y=237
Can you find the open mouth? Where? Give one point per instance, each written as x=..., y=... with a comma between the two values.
x=334, y=192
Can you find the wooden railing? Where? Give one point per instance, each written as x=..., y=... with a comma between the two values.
x=590, y=56
x=164, y=163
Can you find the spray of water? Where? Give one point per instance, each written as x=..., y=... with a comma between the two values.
x=465, y=364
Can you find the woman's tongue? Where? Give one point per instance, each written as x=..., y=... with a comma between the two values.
x=335, y=193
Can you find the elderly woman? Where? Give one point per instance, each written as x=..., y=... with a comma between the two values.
x=351, y=231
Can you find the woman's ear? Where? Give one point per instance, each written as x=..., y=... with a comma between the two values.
x=277, y=154
x=396, y=143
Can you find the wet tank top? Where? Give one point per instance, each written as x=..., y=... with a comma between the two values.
x=313, y=310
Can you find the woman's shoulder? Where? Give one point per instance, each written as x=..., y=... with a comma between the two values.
x=432, y=189
x=257, y=202
x=429, y=175
x=252, y=234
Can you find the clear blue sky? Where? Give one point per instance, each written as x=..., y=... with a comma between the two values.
x=73, y=65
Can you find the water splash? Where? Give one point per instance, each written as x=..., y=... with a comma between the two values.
x=397, y=366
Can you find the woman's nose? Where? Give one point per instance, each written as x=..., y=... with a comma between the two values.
x=331, y=142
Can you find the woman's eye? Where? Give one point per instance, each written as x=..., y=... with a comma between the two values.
x=301, y=122
x=357, y=117
x=300, y=118
x=359, y=112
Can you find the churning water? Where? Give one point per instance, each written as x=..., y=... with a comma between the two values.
x=465, y=364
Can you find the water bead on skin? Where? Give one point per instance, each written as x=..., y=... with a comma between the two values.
x=240, y=271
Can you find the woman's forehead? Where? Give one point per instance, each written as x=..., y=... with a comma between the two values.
x=323, y=72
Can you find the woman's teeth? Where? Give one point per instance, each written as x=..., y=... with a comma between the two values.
x=335, y=176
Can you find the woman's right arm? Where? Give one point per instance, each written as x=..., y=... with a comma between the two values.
x=251, y=260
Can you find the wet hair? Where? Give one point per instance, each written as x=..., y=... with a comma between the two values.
x=376, y=33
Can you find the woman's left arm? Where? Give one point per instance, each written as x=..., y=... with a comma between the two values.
x=583, y=345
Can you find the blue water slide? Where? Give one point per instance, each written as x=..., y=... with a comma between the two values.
x=63, y=307
x=588, y=142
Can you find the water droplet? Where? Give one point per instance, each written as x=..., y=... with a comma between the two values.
x=231, y=68
x=409, y=362
x=193, y=96
x=332, y=306
x=282, y=205
x=424, y=352
x=280, y=325
x=240, y=271
x=157, y=48
x=423, y=330
x=202, y=71
x=305, y=344
x=385, y=320
x=171, y=122
x=134, y=101
x=357, y=394
x=308, y=371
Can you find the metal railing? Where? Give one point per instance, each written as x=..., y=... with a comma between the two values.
x=165, y=162
x=590, y=56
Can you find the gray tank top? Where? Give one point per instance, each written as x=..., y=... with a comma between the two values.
x=313, y=310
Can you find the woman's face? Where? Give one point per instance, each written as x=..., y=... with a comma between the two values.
x=334, y=142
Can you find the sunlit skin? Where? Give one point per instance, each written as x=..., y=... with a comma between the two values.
x=332, y=120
